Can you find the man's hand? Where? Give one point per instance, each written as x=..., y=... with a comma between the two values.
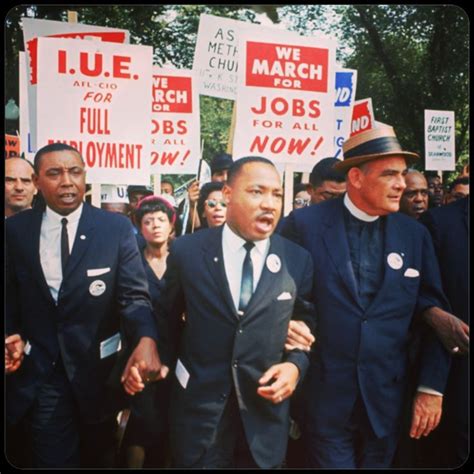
x=299, y=336
x=452, y=331
x=426, y=414
x=285, y=377
x=14, y=353
x=193, y=192
x=144, y=365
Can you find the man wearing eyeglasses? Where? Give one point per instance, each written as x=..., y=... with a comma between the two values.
x=414, y=200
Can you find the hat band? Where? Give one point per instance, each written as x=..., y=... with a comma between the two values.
x=373, y=147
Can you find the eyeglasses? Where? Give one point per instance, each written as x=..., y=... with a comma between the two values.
x=300, y=202
x=213, y=203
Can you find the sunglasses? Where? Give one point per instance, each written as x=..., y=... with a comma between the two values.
x=213, y=203
x=301, y=202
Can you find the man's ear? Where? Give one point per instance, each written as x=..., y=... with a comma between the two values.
x=355, y=177
x=226, y=193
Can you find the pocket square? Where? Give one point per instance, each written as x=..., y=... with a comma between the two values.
x=93, y=272
x=284, y=296
x=411, y=273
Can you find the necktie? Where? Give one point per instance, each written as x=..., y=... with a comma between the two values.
x=246, y=286
x=64, y=244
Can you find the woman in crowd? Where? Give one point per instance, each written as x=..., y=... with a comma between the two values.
x=211, y=205
x=146, y=435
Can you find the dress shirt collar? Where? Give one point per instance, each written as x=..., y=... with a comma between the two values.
x=234, y=242
x=55, y=218
x=356, y=212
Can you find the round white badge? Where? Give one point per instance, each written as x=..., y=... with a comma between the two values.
x=97, y=287
x=273, y=263
x=395, y=261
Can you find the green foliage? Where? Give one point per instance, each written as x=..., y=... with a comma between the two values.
x=409, y=58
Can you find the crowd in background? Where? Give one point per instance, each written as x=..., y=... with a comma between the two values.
x=144, y=283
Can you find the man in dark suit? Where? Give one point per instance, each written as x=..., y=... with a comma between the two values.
x=239, y=287
x=62, y=311
x=448, y=226
x=374, y=268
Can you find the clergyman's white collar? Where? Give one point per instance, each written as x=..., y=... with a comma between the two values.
x=356, y=212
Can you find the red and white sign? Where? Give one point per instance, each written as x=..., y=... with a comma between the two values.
x=33, y=29
x=362, y=116
x=175, y=122
x=285, y=105
x=96, y=97
x=12, y=145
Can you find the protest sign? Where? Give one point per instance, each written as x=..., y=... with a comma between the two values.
x=440, y=140
x=12, y=145
x=110, y=193
x=175, y=122
x=285, y=106
x=215, y=57
x=34, y=28
x=106, y=87
x=25, y=142
x=362, y=116
x=346, y=83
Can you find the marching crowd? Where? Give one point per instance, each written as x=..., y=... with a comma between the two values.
x=334, y=337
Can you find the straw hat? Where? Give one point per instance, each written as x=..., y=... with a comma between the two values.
x=380, y=142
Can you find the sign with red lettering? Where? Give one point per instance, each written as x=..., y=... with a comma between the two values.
x=33, y=29
x=286, y=94
x=96, y=98
x=440, y=140
x=12, y=146
x=362, y=116
x=175, y=122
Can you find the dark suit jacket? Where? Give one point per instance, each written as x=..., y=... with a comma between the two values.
x=365, y=352
x=448, y=226
x=104, y=249
x=223, y=351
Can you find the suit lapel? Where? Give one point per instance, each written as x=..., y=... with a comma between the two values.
x=392, y=245
x=335, y=239
x=34, y=248
x=214, y=259
x=84, y=235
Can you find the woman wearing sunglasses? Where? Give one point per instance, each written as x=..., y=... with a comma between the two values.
x=211, y=206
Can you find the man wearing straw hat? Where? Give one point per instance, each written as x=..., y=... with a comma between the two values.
x=374, y=269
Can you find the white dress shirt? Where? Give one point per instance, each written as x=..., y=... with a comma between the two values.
x=50, y=245
x=234, y=255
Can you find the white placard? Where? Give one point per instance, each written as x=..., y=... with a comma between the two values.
x=34, y=28
x=111, y=193
x=95, y=96
x=25, y=137
x=216, y=56
x=175, y=122
x=285, y=106
x=440, y=140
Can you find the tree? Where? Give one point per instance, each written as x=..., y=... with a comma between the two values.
x=409, y=58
